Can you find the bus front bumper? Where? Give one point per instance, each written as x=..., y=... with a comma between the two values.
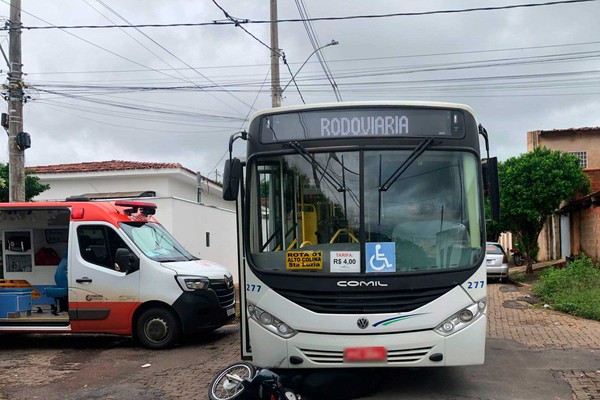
x=413, y=349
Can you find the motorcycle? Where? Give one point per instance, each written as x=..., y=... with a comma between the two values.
x=243, y=381
x=518, y=257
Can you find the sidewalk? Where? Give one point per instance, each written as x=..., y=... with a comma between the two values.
x=513, y=269
x=513, y=316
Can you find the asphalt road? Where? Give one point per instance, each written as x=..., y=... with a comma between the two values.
x=107, y=367
x=531, y=353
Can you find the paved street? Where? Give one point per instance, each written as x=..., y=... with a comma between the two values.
x=533, y=353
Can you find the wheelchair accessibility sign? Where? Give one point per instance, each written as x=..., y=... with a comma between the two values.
x=381, y=257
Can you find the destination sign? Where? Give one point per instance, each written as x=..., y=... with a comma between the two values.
x=357, y=122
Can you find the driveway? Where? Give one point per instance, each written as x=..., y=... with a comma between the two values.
x=532, y=353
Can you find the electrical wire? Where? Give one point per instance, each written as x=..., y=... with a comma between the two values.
x=314, y=40
x=247, y=115
x=345, y=60
x=239, y=21
x=105, y=123
x=100, y=47
x=176, y=57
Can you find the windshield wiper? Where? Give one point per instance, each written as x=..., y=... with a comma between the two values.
x=420, y=149
x=327, y=175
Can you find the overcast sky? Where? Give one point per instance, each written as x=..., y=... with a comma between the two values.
x=94, y=98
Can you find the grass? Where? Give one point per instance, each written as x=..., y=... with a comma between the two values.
x=574, y=289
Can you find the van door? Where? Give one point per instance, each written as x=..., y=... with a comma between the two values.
x=104, y=296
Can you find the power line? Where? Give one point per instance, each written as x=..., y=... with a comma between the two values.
x=110, y=51
x=345, y=74
x=314, y=40
x=238, y=21
x=344, y=60
x=247, y=115
x=106, y=123
x=175, y=56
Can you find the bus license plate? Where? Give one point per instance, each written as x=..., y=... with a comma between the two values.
x=357, y=354
x=230, y=311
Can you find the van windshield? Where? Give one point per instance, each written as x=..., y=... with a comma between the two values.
x=155, y=242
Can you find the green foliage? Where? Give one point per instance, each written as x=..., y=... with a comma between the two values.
x=574, y=289
x=33, y=187
x=532, y=186
x=493, y=229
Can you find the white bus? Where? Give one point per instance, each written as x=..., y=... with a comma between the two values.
x=362, y=235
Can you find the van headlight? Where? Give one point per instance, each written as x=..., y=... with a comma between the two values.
x=270, y=322
x=192, y=283
x=462, y=319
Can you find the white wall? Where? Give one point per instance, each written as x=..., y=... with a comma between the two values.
x=63, y=187
x=165, y=183
x=189, y=222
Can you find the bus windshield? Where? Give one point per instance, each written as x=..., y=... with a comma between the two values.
x=155, y=242
x=357, y=212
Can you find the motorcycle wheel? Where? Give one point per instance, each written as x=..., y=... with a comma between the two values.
x=224, y=388
x=518, y=260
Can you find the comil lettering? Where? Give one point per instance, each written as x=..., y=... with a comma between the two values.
x=360, y=283
x=357, y=126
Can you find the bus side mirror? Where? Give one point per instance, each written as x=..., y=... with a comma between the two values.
x=232, y=174
x=126, y=261
x=491, y=186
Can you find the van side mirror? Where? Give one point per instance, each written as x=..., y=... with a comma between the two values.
x=126, y=261
x=232, y=174
x=491, y=185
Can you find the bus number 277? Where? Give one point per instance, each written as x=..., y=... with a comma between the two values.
x=475, y=284
x=252, y=288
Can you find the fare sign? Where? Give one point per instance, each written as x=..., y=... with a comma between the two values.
x=344, y=261
x=365, y=354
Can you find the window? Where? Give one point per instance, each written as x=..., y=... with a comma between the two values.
x=582, y=155
x=98, y=244
x=310, y=212
x=155, y=242
x=494, y=248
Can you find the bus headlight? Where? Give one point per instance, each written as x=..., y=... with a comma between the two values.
x=270, y=322
x=462, y=319
x=192, y=283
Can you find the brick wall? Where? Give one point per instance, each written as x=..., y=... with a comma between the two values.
x=594, y=175
x=586, y=229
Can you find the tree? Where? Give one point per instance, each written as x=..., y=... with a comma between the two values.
x=532, y=186
x=33, y=187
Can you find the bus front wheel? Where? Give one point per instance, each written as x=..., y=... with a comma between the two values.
x=158, y=328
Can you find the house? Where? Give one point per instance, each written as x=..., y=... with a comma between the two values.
x=190, y=206
x=575, y=227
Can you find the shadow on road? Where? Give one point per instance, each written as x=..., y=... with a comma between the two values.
x=24, y=341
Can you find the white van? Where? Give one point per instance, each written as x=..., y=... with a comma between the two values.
x=105, y=267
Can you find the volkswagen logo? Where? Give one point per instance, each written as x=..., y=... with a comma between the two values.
x=362, y=323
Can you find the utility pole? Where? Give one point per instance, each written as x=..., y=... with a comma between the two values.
x=16, y=155
x=275, y=85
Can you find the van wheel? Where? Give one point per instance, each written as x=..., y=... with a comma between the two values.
x=158, y=328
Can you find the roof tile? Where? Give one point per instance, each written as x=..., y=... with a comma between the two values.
x=102, y=166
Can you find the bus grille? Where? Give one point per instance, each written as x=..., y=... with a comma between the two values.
x=363, y=302
x=395, y=357
x=225, y=291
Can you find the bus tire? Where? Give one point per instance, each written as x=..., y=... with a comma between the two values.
x=223, y=388
x=158, y=328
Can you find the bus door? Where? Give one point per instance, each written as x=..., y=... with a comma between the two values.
x=102, y=297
